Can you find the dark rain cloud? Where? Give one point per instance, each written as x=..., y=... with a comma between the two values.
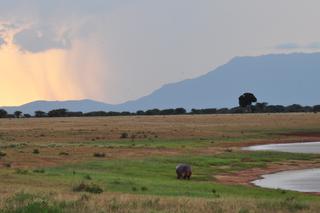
x=41, y=39
x=52, y=15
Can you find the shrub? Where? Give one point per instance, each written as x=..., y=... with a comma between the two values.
x=40, y=114
x=3, y=113
x=99, y=155
x=22, y=171
x=28, y=203
x=293, y=204
x=36, y=151
x=7, y=165
x=2, y=154
x=58, y=113
x=87, y=177
x=134, y=188
x=143, y=188
x=64, y=153
x=39, y=171
x=93, y=188
x=124, y=135
x=27, y=115
x=244, y=210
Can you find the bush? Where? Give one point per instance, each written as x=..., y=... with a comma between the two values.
x=27, y=115
x=152, y=112
x=143, y=188
x=58, y=113
x=124, y=135
x=3, y=113
x=87, y=177
x=39, y=171
x=134, y=188
x=2, y=154
x=93, y=188
x=244, y=210
x=293, y=204
x=22, y=171
x=27, y=203
x=180, y=111
x=99, y=155
x=7, y=165
x=64, y=153
x=36, y=151
x=40, y=114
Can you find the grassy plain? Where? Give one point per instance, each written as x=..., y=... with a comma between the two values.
x=137, y=171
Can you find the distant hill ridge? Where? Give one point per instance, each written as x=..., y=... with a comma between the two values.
x=85, y=105
x=277, y=79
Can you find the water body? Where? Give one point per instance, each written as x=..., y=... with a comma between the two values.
x=307, y=180
x=310, y=147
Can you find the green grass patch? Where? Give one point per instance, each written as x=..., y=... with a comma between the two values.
x=156, y=176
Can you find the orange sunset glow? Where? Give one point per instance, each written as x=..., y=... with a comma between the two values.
x=47, y=75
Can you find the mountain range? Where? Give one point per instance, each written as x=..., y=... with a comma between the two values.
x=276, y=79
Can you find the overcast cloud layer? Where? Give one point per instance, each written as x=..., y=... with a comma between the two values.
x=117, y=50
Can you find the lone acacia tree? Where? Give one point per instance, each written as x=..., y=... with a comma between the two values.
x=246, y=99
x=17, y=114
x=39, y=114
x=3, y=113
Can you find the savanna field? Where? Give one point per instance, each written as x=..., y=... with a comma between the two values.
x=127, y=164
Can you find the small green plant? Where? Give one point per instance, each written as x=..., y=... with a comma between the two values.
x=87, y=177
x=39, y=171
x=22, y=171
x=36, y=151
x=28, y=203
x=94, y=189
x=116, y=182
x=143, y=188
x=244, y=210
x=134, y=188
x=293, y=204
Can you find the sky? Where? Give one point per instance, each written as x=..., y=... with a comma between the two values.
x=119, y=50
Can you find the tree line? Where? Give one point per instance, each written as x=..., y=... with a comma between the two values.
x=246, y=105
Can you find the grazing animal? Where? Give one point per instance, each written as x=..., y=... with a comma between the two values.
x=183, y=171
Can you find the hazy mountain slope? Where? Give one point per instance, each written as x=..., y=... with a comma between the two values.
x=277, y=79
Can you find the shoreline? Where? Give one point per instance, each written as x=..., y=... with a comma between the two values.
x=246, y=177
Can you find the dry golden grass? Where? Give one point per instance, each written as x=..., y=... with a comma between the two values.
x=55, y=130
x=126, y=203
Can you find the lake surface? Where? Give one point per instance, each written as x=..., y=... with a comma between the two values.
x=310, y=147
x=307, y=180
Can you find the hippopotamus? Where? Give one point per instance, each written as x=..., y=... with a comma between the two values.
x=183, y=171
